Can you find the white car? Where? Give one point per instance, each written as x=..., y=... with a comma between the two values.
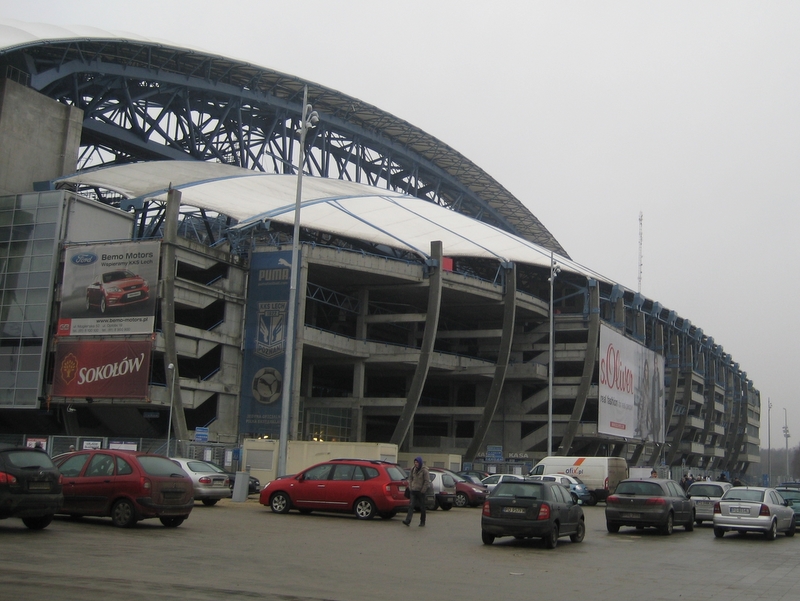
x=705, y=495
x=753, y=509
x=491, y=481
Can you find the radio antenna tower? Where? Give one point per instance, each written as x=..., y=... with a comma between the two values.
x=641, y=218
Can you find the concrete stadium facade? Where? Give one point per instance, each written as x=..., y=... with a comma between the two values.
x=393, y=346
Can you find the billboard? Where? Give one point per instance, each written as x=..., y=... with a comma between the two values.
x=631, y=389
x=265, y=339
x=102, y=368
x=109, y=289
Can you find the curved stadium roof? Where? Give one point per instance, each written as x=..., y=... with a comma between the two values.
x=51, y=58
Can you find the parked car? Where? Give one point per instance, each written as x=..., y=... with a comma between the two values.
x=791, y=494
x=211, y=483
x=30, y=486
x=128, y=486
x=705, y=495
x=651, y=502
x=467, y=492
x=491, y=481
x=600, y=474
x=753, y=509
x=574, y=484
x=470, y=478
x=443, y=486
x=476, y=473
x=365, y=487
x=117, y=288
x=532, y=509
x=253, y=486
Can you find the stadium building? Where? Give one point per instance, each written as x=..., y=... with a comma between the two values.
x=147, y=223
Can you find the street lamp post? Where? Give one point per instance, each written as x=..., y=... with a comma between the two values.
x=769, y=442
x=554, y=271
x=171, y=368
x=786, y=436
x=308, y=117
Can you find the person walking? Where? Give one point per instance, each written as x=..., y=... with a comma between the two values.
x=418, y=483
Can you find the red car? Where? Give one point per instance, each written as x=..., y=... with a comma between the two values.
x=125, y=485
x=116, y=289
x=467, y=493
x=362, y=486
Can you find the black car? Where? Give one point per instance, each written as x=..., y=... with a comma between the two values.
x=30, y=486
x=650, y=502
x=253, y=487
x=532, y=509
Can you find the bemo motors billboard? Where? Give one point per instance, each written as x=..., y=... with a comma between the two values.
x=102, y=368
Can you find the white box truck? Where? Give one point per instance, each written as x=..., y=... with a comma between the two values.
x=600, y=474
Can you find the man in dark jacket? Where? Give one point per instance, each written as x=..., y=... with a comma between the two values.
x=418, y=483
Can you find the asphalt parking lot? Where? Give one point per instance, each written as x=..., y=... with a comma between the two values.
x=243, y=551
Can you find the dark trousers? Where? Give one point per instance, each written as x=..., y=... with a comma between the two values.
x=417, y=498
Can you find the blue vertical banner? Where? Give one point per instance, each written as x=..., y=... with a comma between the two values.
x=266, y=337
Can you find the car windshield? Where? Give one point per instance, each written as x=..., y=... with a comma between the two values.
x=640, y=488
x=202, y=466
x=531, y=490
x=705, y=490
x=737, y=494
x=158, y=466
x=29, y=459
x=113, y=276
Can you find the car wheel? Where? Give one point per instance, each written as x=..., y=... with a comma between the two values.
x=88, y=303
x=103, y=304
x=38, y=522
x=612, y=528
x=123, y=514
x=487, y=538
x=578, y=535
x=364, y=509
x=173, y=521
x=792, y=528
x=772, y=532
x=551, y=540
x=592, y=500
x=210, y=502
x=280, y=503
x=719, y=532
x=669, y=526
x=461, y=499
x=447, y=506
x=690, y=524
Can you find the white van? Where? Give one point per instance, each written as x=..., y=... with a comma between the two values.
x=600, y=474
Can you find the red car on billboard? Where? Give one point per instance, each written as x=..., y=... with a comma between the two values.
x=117, y=288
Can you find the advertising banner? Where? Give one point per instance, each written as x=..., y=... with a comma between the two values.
x=102, y=368
x=265, y=339
x=631, y=402
x=109, y=289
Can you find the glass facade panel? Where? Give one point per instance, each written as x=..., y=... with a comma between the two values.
x=28, y=251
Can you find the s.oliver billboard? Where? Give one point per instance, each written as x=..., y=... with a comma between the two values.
x=109, y=289
x=631, y=403
x=102, y=368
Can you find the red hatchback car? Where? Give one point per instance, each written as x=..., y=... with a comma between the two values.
x=364, y=487
x=125, y=485
x=116, y=289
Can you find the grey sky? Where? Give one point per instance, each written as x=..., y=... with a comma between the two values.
x=589, y=112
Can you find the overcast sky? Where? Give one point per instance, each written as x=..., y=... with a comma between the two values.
x=589, y=113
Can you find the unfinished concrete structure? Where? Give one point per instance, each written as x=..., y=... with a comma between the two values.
x=396, y=345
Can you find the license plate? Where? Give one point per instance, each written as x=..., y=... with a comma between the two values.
x=401, y=488
x=134, y=294
x=705, y=503
x=38, y=486
x=739, y=510
x=631, y=516
x=513, y=510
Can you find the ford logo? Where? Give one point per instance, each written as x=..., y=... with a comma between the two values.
x=84, y=259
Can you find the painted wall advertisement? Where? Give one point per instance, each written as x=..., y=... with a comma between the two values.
x=631, y=403
x=109, y=289
x=265, y=343
x=102, y=368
